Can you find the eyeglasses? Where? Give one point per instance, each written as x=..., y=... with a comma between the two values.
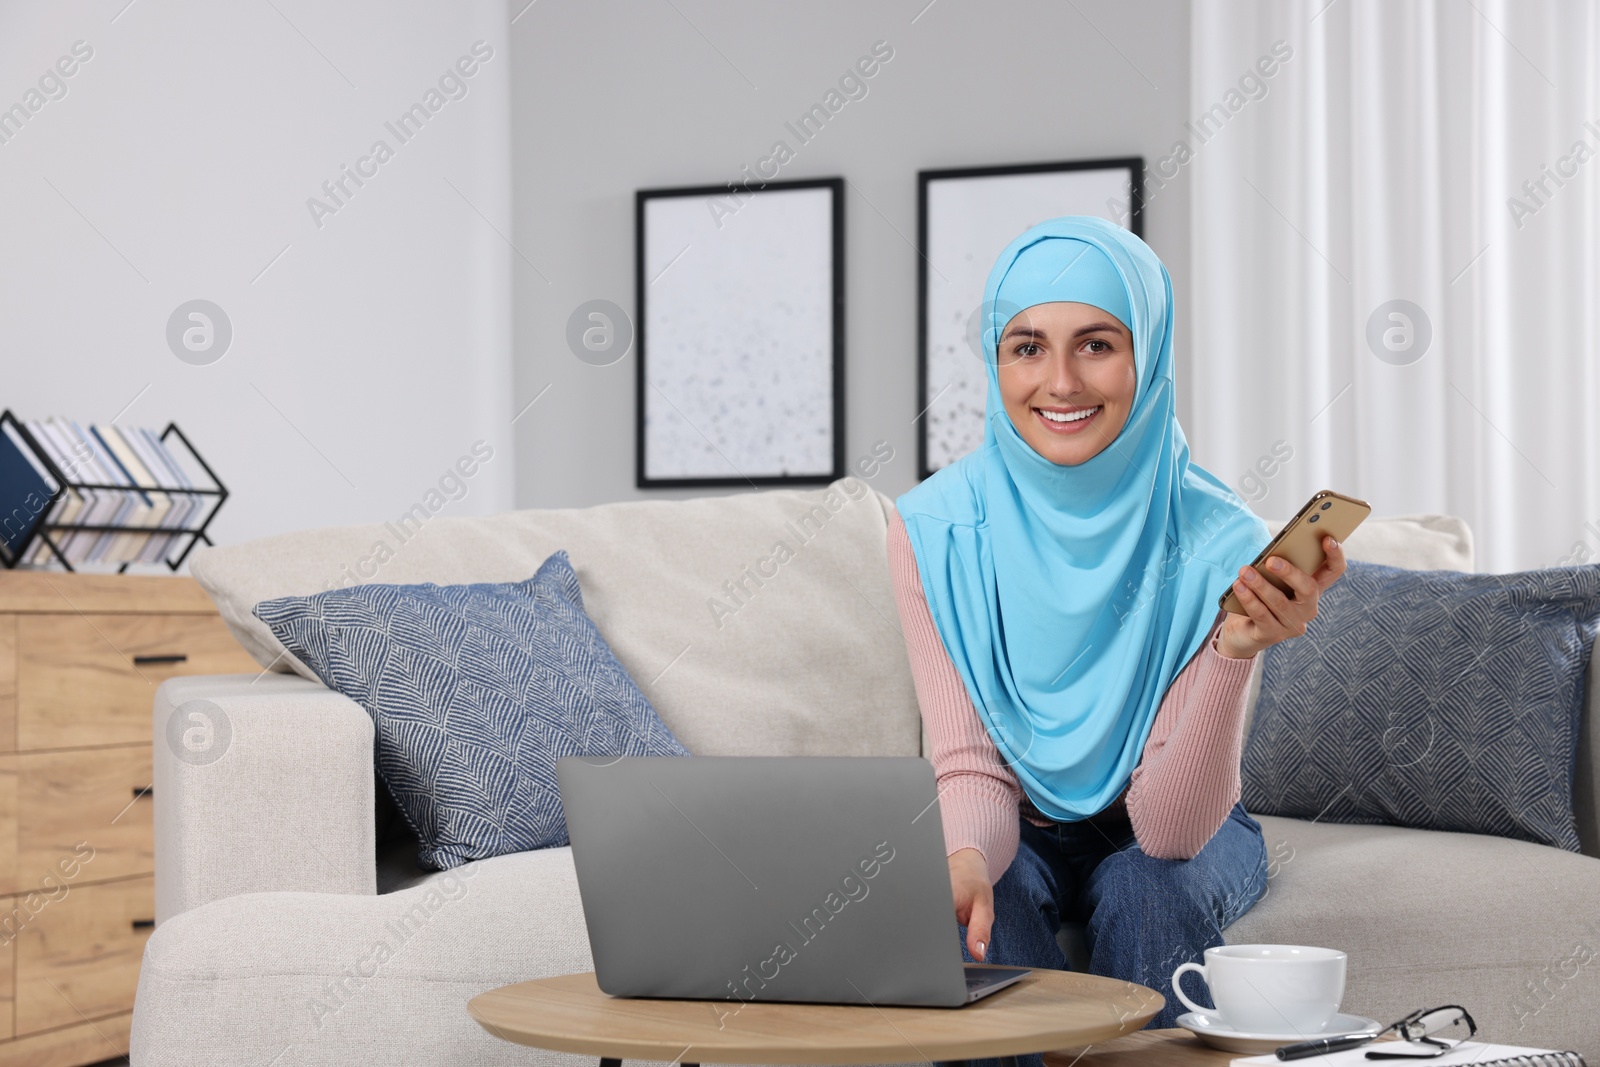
x=1419, y=1032
x=1425, y=1027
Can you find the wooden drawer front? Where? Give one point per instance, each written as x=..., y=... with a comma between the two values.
x=89, y=679
x=79, y=808
x=78, y=957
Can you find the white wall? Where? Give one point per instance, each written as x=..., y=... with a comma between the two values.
x=371, y=354
x=368, y=352
x=609, y=96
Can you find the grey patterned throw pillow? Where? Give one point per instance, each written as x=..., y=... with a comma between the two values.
x=475, y=691
x=1439, y=700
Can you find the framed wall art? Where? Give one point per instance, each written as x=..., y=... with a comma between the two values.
x=965, y=218
x=740, y=307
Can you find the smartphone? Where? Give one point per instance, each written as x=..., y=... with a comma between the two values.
x=1300, y=540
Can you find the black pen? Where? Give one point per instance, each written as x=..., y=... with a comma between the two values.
x=1323, y=1045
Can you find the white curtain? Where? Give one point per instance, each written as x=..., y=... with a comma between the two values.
x=1444, y=153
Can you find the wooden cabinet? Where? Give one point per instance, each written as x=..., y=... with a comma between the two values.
x=80, y=659
x=79, y=958
x=61, y=794
x=91, y=675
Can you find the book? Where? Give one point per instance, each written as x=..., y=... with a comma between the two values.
x=110, y=545
x=155, y=461
x=123, y=453
x=70, y=454
x=139, y=509
x=68, y=506
x=182, y=462
x=25, y=492
x=72, y=501
x=1476, y=1053
x=174, y=475
x=104, y=504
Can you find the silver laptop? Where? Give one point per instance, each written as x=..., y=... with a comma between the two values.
x=817, y=879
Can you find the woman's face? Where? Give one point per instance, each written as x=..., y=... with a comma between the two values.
x=1057, y=361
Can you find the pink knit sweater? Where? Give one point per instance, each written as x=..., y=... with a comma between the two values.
x=1185, y=784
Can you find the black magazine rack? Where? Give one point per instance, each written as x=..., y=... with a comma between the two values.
x=51, y=530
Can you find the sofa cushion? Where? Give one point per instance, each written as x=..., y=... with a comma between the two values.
x=1417, y=542
x=330, y=980
x=475, y=692
x=342, y=979
x=1430, y=699
x=1504, y=927
x=758, y=623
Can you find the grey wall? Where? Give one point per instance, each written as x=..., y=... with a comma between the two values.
x=609, y=96
x=368, y=346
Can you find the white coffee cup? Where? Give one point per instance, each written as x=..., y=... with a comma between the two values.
x=1270, y=989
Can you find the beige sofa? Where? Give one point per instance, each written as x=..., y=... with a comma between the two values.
x=274, y=895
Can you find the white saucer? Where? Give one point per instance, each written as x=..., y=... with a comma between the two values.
x=1218, y=1034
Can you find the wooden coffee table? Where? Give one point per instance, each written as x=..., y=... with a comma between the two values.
x=1045, y=1010
x=1147, y=1048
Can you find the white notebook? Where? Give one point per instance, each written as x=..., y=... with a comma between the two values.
x=1476, y=1053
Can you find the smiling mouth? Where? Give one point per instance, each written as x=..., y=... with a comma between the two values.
x=1068, y=422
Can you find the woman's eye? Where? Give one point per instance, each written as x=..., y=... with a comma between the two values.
x=1104, y=347
x=1022, y=348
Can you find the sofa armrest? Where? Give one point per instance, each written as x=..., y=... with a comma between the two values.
x=261, y=783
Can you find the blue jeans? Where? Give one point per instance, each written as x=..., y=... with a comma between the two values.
x=1144, y=916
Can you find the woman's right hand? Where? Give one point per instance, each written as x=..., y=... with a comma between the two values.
x=974, y=897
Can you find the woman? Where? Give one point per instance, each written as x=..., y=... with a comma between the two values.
x=1083, y=696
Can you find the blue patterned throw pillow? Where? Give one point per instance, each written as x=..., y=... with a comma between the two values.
x=476, y=691
x=1439, y=700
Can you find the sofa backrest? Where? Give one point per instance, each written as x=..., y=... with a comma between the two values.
x=756, y=623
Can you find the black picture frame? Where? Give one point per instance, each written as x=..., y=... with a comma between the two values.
x=732, y=195
x=1134, y=221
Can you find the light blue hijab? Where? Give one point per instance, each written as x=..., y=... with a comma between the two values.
x=1070, y=597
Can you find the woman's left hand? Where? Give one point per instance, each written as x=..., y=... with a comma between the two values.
x=1273, y=616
